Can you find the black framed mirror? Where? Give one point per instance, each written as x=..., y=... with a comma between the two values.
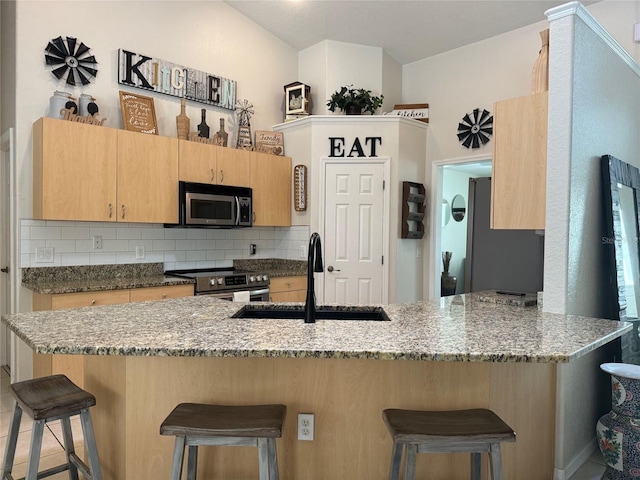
x=622, y=196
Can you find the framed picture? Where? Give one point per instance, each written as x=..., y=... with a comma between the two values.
x=138, y=113
x=297, y=98
x=270, y=142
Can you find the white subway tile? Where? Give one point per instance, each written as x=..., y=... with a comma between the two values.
x=154, y=233
x=175, y=256
x=185, y=245
x=67, y=259
x=175, y=233
x=231, y=254
x=196, y=255
x=215, y=255
x=45, y=233
x=224, y=244
x=196, y=233
x=107, y=233
x=62, y=246
x=28, y=222
x=128, y=233
x=74, y=233
x=25, y=260
x=164, y=245
x=205, y=244
x=102, y=258
x=109, y=245
x=216, y=234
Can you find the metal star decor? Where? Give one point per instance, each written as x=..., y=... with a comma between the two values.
x=244, y=110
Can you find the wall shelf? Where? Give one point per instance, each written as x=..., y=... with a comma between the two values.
x=413, y=196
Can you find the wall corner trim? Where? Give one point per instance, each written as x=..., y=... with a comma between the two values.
x=577, y=9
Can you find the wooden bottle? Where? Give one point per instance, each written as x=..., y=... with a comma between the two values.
x=540, y=75
x=182, y=121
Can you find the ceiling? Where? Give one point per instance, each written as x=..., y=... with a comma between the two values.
x=408, y=30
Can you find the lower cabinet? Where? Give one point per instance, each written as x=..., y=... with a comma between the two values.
x=288, y=289
x=73, y=365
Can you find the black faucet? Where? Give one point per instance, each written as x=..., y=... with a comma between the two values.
x=314, y=264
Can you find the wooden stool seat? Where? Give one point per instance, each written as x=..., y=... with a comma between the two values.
x=47, y=399
x=195, y=424
x=474, y=431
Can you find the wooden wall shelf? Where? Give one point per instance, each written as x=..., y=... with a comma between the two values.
x=413, y=196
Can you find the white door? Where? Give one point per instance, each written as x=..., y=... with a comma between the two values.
x=5, y=244
x=354, y=233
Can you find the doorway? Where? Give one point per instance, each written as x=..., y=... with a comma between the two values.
x=355, y=231
x=450, y=180
x=8, y=263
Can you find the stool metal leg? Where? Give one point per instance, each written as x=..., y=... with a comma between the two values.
x=178, y=451
x=410, y=467
x=495, y=459
x=476, y=466
x=396, y=457
x=70, y=450
x=263, y=458
x=192, y=462
x=12, y=441
x=273, y=459
x=34, y=450
x=90, y=443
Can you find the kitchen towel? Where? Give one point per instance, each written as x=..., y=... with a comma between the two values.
x=244, y=296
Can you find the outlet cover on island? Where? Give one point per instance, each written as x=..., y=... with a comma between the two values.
x=305, y=426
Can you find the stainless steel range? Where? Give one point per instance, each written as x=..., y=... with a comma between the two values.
x=223, y=283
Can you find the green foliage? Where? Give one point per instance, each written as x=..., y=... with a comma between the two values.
x=359, y=97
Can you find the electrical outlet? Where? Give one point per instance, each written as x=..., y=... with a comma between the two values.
x=305, y=426
x=303, y=251
x=97, y=242
x=418, y=252
x=252, y=249
x=139, y=251
x=44, y=255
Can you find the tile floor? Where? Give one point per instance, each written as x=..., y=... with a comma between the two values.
x=53, y=454
x=52, y=451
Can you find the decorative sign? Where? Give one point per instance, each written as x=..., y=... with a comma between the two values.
x=89, y=119
x=270, y=142
x=141, y=71
x=337, y=147
x=417, y=111
x=300, y=188
x=138, y=113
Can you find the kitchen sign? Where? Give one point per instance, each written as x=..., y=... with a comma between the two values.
x=141, y=71
x=359, y=148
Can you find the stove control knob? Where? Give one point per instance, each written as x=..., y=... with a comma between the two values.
x=265, y=278
x=220, y=281
x=252, y=279
x=212, y=282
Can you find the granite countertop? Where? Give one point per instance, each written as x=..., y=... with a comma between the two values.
x=274, y=267
x=94, y=278
x=457, y=328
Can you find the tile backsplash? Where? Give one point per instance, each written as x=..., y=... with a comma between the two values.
x=177, y=248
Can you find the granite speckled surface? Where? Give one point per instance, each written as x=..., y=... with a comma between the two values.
x=458, y=328
x=93, y=278
x=275, y=267
x=508, y=298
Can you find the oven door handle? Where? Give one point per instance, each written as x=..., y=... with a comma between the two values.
x=259, y=292
x=237, y=210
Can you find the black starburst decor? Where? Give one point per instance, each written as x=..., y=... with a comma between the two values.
x=475, y=129
x=68, y=58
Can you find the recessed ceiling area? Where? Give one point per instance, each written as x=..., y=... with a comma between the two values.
x=408, y=30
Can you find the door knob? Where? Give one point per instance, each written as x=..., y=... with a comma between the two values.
x=331, y=269
x=4, y=270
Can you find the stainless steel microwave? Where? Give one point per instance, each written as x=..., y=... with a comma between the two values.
x=206, y=205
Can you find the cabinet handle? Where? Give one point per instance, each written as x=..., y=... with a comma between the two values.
x=221, y=176
x=93, y=302
x=164, y=295
x=123, y=211
x=110, y=210
x=254, y=217
x=213, y=175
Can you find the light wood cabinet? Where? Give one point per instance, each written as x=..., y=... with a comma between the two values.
x=74, y=171
x=271, y=183
x=147, y=178
x=518, y=185
x=288, y=289
x=202, y=163
x=73, y=365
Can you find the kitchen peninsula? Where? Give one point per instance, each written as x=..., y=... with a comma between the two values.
x=456, y=352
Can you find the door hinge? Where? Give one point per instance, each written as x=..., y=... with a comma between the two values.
x=382, y=259
x=384, y=182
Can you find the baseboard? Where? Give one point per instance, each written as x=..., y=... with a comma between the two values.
x=576, y=462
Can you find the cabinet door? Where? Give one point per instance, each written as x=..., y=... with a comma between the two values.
x=74, y=171
x=88, y=299
x=234, y=167
x=271, y=183
x=147, y=178
x=288, y=289
x=161, y=293
x=519, y=177
x=197, y=162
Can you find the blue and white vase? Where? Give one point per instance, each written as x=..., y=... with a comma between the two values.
x=619, y=430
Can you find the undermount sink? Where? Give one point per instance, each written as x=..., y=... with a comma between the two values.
x=322, y=312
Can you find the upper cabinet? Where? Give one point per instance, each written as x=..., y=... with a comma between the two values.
x=271, y=183
x=147, y=178
x=202, y=163
x=518, y=186
x=74, y=171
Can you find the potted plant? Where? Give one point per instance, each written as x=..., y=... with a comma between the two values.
x=353, y=101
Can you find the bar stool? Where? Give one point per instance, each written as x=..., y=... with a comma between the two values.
x=47, y=399
x=196, y=424
x=473, y=431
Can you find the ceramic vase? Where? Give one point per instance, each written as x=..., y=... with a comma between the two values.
x=221, y=137
x=540, y=75
x=353, y=110
x=619, y=430
x=183, y=124
x=60, y=100
x=448, y=282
